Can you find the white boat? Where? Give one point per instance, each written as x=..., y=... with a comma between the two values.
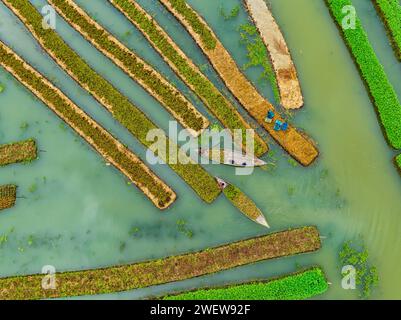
x=231, y=158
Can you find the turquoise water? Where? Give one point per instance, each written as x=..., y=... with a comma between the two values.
x=81, y=212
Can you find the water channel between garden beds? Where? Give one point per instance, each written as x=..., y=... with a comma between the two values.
x=80, y=214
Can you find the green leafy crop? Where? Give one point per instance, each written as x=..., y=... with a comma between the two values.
x=383, y=95
x=297, y=286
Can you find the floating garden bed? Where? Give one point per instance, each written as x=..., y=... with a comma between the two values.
x=398, y=162
x=301, y=285
x=216, y=103
x=140, y=71
x=294, y=142
x=25, y=151
x=382, y=92
x=390, y=12
x=8, y=196
x=102, y=141
x=280, y=57
x=115, y=102
x=169, y=269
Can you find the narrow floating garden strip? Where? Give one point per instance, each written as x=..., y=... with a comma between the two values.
x=24, y=151
x=114, y=101
x=102, y=141
x=390, y=12
x=298, y=286
x=169, y=269
x=183, y=66
x=280, y=57
x=150, y=79
x=382, y=92
x=294, y=142
x=8, y=196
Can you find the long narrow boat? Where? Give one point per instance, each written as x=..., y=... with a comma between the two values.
x=296, y=143
x=242, y=202
x=231, y=158
x=284, y=68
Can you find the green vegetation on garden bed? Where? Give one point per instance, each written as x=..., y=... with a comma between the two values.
x=169, y=269
x=120, y=107
x=216, y=103
x=95, y=135
x=24, y=151
x=298, y=286
x=134, y=66
x=206, y=36
x=390, y=12
x=383, y=95
x=398, y=161
x=8, y=196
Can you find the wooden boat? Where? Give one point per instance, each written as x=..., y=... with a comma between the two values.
x=231, y=157
x=242, y=202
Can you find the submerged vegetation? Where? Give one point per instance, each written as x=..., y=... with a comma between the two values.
x=25, y=151
x=390, y=12
x=216, y=103
x=134, y=66
x=183, y=228
x=169, y=269
x=258, y=56
x=382, y=92
x=131, y=117
x=8, y=196
x=298, y=286
x=234, y=12
x=86, y=127
x=356, y=255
